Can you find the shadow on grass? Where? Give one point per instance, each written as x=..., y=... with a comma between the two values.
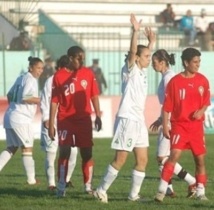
x=28, y=192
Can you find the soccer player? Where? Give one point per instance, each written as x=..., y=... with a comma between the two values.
x=187, y=97
x=130, y=131
x=161, y=62
x=49, y=146
x=23, y=100
x=73, y=90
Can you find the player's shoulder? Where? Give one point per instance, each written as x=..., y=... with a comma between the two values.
x=86, y=70
x=28, y=77
x=198, y=74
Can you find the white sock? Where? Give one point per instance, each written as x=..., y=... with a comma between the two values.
x=188, y=178
x=29, y=166
x=72, y=163
x=177, y=168
x=5, y=156
x=137, y=180
x=200, y=189
x=170, y=187
x=50, y=168
x=108, y=179
x=163, y=186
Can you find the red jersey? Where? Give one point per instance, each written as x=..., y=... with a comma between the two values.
x=184, y=96
x=73, y=92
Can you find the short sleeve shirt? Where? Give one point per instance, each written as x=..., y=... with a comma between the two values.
x=72, y=91
x=184, y=96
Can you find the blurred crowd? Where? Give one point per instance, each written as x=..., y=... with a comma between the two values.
x=198, y=31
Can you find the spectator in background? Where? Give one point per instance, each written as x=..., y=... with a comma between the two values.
x=187, y=26
x=21, y=42
x=209, y=37
x=168, y=16
x=48, y=71
x=99, y=75
x=202, y=25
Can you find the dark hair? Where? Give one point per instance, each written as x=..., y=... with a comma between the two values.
x=140, y=48
x=34, y=60
x=63, y=61
x=188, y=54
x=126, y=56
x=74, y=50
x=163, y=55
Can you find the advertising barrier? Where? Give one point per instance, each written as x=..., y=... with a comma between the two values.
x=109, y=106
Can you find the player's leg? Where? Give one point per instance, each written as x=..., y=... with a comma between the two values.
x=64, y=153
x=50, y=169
x=141, y=145
x=183, y=174
x=122, y=145
x=26, y=138
x=201, y=177
x=83, y=140
x=87, y=168
x=50, y=148
x=71, y=165
x=29, y=164
x=198, y=147
x=138, y=173
x=110, y=175
x=163, y=152
x=167, y=173
x=11, y=149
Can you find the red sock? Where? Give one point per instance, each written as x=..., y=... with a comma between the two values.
x=87, y=170
x=167, y=171
x=201, y=178
x=62, y=169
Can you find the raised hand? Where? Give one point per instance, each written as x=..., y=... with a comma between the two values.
x=150, y=35
x=135, y=24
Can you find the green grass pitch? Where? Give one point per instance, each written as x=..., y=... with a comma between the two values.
x=15, y=194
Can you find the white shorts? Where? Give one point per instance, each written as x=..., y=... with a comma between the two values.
x=46, y=143
x=163, y=147
x=129, y=134
x=20, y=136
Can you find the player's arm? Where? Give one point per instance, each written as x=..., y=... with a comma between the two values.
x=165, y=124
x=199, y=113
x=96, y=106
x=133, y=44
x=31, y=100
x=53, y=110
x=45, y=102
x=206, y=102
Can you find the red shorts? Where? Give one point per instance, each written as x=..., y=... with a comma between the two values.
x=75, y=132
x=188, y=136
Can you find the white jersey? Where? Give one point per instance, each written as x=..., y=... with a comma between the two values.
x=45, y=99
x=46, y=143
x=134, y=96
x=19, y=112
x=166, y=77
